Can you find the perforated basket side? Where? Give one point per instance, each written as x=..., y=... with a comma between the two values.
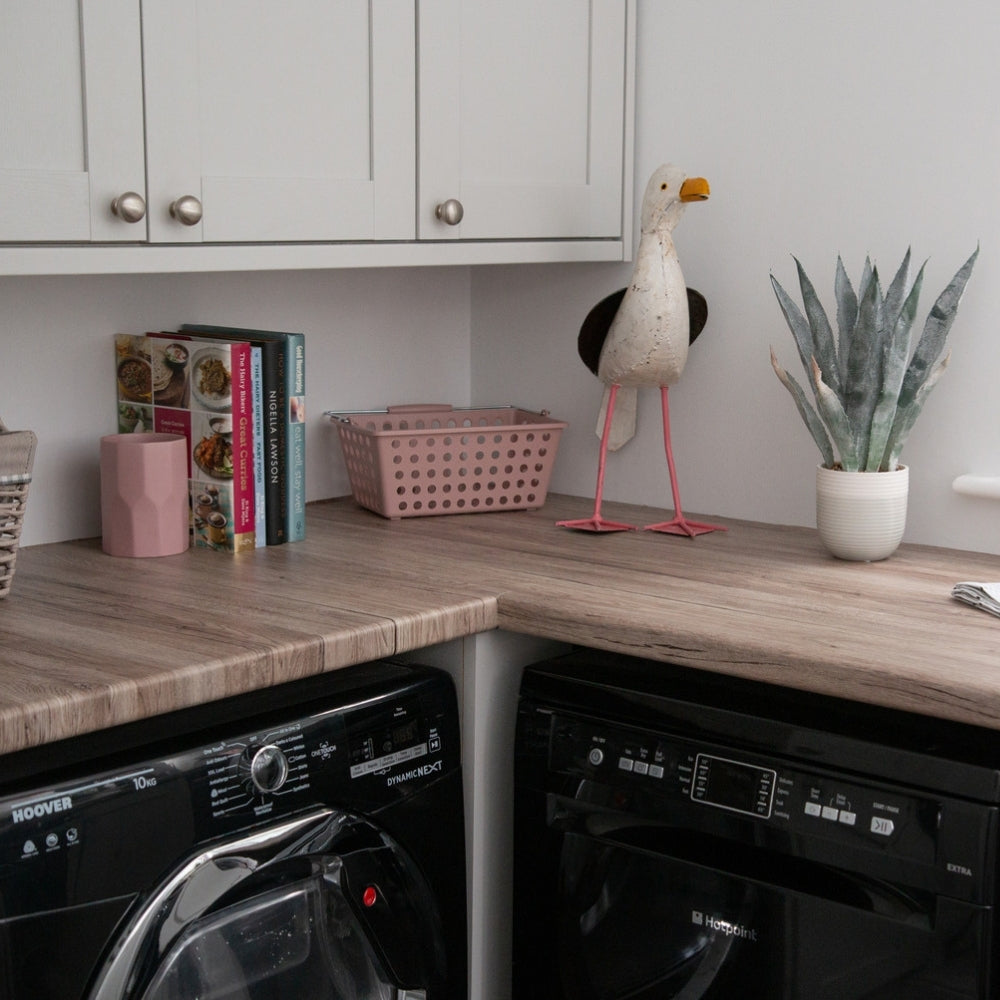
x=17, y=456
x=13, y=500
x=361, y=456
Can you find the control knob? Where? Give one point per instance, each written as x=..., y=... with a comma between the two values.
x=268, y=768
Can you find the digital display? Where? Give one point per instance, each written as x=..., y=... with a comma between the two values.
x=404, y=735
x=730, y=784
x=388, y=741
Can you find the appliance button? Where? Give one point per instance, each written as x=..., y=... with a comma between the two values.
x=641, y=767
x=595, y=756
x=813, y=809
x=830, y=813
x=882, y=826
x=848, y=818
x=625, y=763
x=655, y=771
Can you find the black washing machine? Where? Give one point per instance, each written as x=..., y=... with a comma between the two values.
x=681, y=835
x=306, y=842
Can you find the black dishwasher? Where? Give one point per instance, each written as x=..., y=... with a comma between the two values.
x=682, y=834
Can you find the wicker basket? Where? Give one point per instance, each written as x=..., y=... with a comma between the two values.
x=17, y=455
x=415, y=461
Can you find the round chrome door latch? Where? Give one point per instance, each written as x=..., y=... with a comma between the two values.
x=268, y=768
x=451, y=212
x=186, y=210
x=129, y=206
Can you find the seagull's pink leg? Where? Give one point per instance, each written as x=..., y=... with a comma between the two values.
x=679, y=525
x=596, y=522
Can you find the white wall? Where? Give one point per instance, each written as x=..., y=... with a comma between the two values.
x=372, y=338
x=851, y=127
x=855, y=127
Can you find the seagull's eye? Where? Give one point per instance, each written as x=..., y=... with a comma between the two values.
x=663, y=187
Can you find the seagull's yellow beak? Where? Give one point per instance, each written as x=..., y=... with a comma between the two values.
x=695, y=189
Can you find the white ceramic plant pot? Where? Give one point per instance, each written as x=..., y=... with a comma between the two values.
x=861, y=515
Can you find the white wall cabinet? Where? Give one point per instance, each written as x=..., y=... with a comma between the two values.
x=522, y=118
x=312, y=134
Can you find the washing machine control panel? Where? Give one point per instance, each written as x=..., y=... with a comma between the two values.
x=366, y=753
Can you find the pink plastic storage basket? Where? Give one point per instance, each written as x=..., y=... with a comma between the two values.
x=414, y=461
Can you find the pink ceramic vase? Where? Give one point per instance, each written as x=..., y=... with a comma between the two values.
x=144, y=494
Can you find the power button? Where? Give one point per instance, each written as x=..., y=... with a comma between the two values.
x=596, y=756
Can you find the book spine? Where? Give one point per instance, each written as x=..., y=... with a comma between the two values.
x=275, y=447
x=243, y=492
x=257, y=385
x=295, y=380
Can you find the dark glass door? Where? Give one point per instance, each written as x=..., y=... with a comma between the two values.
x=299, y=941
x=635, y=924
x=321, y=907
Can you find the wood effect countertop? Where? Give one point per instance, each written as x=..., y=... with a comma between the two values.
x=88, y=641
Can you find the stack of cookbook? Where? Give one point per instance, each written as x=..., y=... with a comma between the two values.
x=238, y=396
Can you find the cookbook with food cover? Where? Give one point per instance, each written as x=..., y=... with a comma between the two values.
x=202, y=389
x=288, y=474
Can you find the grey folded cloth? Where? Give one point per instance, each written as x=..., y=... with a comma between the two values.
x=979, y=595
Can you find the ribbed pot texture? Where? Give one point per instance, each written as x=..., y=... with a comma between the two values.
x=861, y=515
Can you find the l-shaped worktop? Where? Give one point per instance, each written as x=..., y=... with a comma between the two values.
x=88, y=641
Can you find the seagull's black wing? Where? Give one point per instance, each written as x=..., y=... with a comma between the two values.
x=698, y=311
x=595, y=329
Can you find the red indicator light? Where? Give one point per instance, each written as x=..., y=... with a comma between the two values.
x=369, y=897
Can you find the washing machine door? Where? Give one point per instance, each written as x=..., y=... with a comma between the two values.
x=321, y=907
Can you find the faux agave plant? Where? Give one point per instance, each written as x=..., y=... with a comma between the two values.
x=869, y=382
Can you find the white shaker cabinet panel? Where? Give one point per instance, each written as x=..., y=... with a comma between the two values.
x=70, y=120
x=270, y=122
x=311, y=133
x=522, y=119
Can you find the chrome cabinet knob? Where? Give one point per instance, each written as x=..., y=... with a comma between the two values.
x=129, y=206
x=450, y=211
x=186, y=210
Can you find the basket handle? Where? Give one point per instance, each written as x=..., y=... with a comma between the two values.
x=417, y=407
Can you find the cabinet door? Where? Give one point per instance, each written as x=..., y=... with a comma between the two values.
x=70, y=118
x=522, y=113
x=287, y=121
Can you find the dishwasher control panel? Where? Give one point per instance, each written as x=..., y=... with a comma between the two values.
x=674, y=778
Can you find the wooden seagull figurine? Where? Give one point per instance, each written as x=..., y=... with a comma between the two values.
x=639, y=337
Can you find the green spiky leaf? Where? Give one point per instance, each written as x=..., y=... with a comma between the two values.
x=906, y=416
x=847, y=316
x=897, y=351
x=824, y=349
x=797, y=323
x=864, y=364
x=836, y=421
x=936, y=330
x=896, y=293
x=808, y=414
